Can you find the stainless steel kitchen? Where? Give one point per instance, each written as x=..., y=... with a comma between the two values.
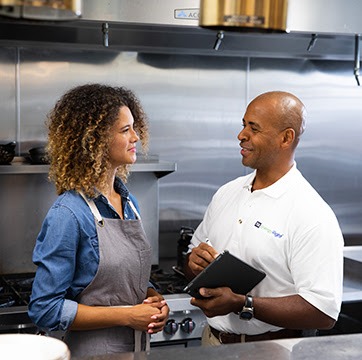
x=194, y=73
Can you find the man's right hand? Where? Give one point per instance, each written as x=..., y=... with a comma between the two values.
x=200, y=257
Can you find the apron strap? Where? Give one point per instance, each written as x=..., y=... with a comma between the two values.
x=93, y=208
x=96, y=212
x=138, y=341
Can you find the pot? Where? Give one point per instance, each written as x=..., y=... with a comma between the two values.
x=7, y=153
x=38, y=155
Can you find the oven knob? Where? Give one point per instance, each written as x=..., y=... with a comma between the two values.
x=187, y=325
x=171, y=327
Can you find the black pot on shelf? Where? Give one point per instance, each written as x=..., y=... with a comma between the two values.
x=7, y=153
x=38, y=155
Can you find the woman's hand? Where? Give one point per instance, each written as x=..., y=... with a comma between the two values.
x=159, y=320
x=149, y=316
x=142, y=315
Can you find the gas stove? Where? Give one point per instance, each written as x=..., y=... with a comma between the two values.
x=15, y=290
x=186, y=322
x=184, y=325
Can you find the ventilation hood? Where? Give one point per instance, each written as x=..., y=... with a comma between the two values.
x=337, y=17
x=310, y=16
x=270, y=15
x=41, y=9
x=312, y=29
x=307, y=16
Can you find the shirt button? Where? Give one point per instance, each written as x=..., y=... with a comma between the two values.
x=240, y=221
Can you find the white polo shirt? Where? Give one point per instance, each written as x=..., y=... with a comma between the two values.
x=288, y=231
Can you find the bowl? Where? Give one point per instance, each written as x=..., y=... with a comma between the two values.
x=32, y=347
x=38, y=155
x=7, y=153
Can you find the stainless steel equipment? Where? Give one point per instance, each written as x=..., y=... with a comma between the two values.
x=247, y=14
x=185, y=324
x=314, y=17
x=14, y=298
x=16, y=255
x=41, y=9
x=350, y=317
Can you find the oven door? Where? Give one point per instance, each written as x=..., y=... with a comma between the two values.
x=15, y=320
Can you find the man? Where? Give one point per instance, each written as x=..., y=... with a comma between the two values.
x=274, y=220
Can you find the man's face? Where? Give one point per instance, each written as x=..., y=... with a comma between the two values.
x=260, y=137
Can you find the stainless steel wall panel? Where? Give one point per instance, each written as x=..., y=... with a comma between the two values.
x=325, y=16
x=329, y=154
x=195, y=104
x=8, y=121
x=46, y=75
x=195, y=115
x=25, y=201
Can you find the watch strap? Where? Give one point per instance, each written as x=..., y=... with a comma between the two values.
x=247, y=312
x=249, y=302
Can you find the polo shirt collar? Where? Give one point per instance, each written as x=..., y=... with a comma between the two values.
x=279, y=187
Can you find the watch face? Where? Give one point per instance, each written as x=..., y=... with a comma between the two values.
x=246, y=315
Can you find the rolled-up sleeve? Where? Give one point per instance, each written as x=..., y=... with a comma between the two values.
x=68, y=314
x=55, y=256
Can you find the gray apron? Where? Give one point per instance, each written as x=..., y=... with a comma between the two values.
x=121, y=280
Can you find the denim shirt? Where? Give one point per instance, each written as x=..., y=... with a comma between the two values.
x=67, y=256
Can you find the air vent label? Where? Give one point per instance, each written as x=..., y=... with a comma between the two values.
x=245, y=19
x=187, y=14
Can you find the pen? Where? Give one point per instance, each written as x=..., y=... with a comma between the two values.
x=208, y=242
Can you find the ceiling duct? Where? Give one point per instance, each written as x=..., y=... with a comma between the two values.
x=41, y=9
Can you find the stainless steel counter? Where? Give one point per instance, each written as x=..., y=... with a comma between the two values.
x=337, y=347
x=352, y=282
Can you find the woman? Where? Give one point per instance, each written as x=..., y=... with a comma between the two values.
x=93, y=258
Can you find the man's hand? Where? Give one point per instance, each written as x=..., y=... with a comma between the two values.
x=219, y=301
x=200, y=257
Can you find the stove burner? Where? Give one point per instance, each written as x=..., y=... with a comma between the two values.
x=15, y=289
x=167, y=282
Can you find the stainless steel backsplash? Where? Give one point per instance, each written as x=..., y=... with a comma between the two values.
x=195, y=104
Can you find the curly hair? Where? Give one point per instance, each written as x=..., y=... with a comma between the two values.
x=79, y=136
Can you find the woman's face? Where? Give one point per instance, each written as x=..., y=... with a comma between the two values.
x=123, y=144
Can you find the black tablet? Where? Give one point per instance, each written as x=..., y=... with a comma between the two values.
x=226, y=271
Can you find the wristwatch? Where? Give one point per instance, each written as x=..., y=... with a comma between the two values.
x=247, y=312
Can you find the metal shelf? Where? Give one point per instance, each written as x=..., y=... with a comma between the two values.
x=160, y=168
x=172, y=39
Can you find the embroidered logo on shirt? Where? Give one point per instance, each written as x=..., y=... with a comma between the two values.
x=259, y=225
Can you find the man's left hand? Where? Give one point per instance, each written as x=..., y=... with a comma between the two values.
x=218, y=301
